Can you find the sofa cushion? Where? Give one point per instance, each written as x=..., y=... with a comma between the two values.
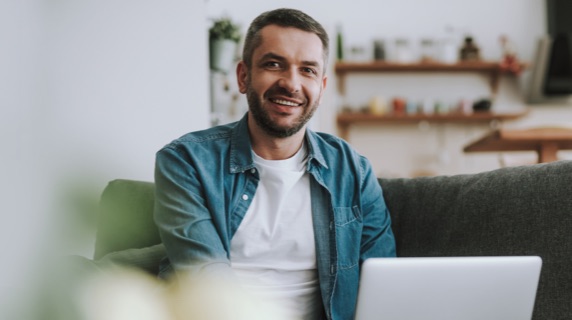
x=523, y=210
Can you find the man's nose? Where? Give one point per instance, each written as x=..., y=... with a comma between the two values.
x=291, y=81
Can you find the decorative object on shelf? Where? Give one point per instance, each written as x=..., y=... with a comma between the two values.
x=428, y=53
x=482, y=105
x=403, y=52
x=378, y=105
x=359, y=53
x=465, y=106
x=399, y=105
x=378, y=50
x=339, y=43
x=427, y=107
x=449, y=47
x=469, y=51
x=441, y=107
x=411, y=107
x=509, y=61
x=224, y=36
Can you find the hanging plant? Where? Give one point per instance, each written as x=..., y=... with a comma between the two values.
x=224, y=36
x=225, y=28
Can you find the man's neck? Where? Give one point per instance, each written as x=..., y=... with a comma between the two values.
x=272, y=148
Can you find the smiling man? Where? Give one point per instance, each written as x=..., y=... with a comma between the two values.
x=289, y=213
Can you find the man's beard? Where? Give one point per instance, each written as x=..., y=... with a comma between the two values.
x=262, y=118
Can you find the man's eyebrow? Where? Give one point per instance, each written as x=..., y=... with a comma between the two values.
x=272, y=56
x=311, y=63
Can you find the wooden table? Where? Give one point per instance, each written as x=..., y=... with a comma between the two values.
x=545, y=141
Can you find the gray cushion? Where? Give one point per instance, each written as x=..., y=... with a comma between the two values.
x=511, y=211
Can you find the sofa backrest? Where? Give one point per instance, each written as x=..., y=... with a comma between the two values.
x=511, y=211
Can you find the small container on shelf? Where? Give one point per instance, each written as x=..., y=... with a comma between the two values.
x=403, y=51
x=378, y=50
x=469, y=51
x=411, y=107
x=427, y=106
x=399, y=105
x=378, y=105
x=428, y=53
x=448, y=46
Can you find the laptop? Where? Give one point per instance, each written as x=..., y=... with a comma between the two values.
x=448, y=288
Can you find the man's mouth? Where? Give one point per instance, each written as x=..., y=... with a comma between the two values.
x=285, y=102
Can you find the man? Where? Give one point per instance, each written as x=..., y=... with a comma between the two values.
x=290, y=212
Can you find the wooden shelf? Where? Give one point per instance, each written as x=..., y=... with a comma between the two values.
x=346, y=119
x=493, y=69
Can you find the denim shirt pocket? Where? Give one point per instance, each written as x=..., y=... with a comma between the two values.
x=348, y=236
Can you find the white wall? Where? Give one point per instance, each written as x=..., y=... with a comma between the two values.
x=120, y=80
x=123, y=79
x=21, y=184
x=404, y=150
x=363, y=20
x=89, y=91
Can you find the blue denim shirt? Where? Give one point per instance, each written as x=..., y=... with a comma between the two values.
x=206, y=180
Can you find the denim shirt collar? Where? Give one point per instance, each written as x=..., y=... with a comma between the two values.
x=241, y=148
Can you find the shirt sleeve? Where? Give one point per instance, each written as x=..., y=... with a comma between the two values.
x=192, y=242
x=377, y=236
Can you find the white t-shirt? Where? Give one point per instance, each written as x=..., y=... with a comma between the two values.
x=273, y=251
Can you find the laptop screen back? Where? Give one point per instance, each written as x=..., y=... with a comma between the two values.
x=448, y=288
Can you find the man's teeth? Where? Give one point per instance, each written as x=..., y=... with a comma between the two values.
x=284, y=102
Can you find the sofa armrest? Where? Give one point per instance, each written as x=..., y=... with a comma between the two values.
x=125, y=219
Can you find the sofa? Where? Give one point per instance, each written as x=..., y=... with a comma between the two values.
x=524, y=210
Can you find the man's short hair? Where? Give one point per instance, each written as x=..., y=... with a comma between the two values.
x=284, y=18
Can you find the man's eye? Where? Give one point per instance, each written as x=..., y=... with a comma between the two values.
x=310, y=70
x=272, y=64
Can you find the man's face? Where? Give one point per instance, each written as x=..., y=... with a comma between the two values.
x=285, y=83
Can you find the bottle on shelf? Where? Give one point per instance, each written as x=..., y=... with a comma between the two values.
x=339, y=44
x=469, y=51
x=449, y=46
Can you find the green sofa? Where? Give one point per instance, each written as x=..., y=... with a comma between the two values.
x=524, y=210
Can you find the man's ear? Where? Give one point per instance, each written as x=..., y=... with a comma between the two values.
x=324, y=83
x=241, y=76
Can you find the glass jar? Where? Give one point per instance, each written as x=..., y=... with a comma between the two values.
x=403, y=53
x=427, y=53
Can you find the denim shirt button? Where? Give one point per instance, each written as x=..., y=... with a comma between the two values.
x=252, y=170
x=244, y=197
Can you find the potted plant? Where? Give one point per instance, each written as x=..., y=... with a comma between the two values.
x=224, y=36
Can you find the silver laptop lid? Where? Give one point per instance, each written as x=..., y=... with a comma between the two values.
x=446, y=288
